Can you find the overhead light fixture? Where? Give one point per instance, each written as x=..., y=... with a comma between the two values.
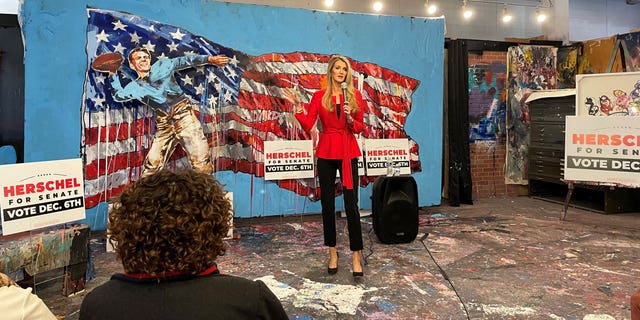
x=540, y=16
x=328, y=3
x=506, y=15
x=466, y=10
x=377, y=6
x=431, y=7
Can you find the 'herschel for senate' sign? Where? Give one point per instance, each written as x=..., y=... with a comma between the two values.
x=378, y=152
x=288, y=159
x=41, y=194
x=603, y=149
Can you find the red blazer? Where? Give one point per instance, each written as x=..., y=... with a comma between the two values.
x=337, y=140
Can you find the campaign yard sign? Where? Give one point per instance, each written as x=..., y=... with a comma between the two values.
x=288, y=159
x=41, y=194
x=603, y=149
x=381, y=152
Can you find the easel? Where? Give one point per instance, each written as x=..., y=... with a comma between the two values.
x=570, y=185
x=624, y=57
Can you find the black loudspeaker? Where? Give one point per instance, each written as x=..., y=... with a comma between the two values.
x=394, y=209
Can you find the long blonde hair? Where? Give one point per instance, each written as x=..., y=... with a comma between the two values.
x=351, y=97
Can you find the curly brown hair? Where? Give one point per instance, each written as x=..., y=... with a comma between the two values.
x=170, y=221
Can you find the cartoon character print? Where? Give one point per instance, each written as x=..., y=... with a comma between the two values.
x=621, y=102
x=605, y=105
x=634, y=104
x=635, y=93
x=593, y=108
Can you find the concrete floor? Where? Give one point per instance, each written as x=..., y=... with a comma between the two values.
x=507, y=258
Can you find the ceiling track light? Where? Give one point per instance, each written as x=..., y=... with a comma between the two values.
x=540, y=16
x=466, y=10
x=377, y=6
x=432, y=7
x=539, y=4
x=506, y=15
x=328, y=3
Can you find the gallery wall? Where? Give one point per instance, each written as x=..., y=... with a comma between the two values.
x=55, y=34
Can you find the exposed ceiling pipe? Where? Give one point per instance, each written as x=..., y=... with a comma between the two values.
x=537, y=4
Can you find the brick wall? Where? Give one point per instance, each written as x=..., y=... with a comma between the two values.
x=487, y=170
x=488, y=157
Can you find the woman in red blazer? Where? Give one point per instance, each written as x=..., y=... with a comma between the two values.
x=340, y=110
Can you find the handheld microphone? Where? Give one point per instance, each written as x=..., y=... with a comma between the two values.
x=343, y=85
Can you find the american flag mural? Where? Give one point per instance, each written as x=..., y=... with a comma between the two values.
x=240, y=104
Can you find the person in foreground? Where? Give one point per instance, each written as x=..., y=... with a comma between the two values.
x=19, y=303
x=340, y=110
x=168, y=230
x=635, y=306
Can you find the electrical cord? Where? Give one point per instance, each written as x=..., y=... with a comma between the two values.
x=444, y=274
x=366, y=257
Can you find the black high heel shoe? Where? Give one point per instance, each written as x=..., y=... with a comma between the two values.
x=359, y=273
x=333, y=270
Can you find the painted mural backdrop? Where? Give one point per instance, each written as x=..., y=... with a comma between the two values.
x=487, y=108
x=239, y=105
x=529, y=68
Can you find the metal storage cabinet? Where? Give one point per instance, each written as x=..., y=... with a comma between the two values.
x=546, y=145
x=547, y=111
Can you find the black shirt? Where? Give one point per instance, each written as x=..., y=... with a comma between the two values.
x=213, y=296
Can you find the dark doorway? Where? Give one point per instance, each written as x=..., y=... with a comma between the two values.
x=11, y=85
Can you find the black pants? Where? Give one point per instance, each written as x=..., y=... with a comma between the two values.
x=327, y=176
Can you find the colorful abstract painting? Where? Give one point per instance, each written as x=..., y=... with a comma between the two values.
x=487, y=91
x=567, y=67
x=529, y=68
x=240, y=105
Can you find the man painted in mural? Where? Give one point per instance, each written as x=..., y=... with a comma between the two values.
x=176, y=122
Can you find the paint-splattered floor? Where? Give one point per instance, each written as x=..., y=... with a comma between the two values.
x=497, y=259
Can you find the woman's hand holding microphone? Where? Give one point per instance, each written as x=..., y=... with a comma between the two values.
x=347, y=112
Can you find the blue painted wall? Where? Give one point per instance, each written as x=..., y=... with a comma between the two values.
x=55, y=65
